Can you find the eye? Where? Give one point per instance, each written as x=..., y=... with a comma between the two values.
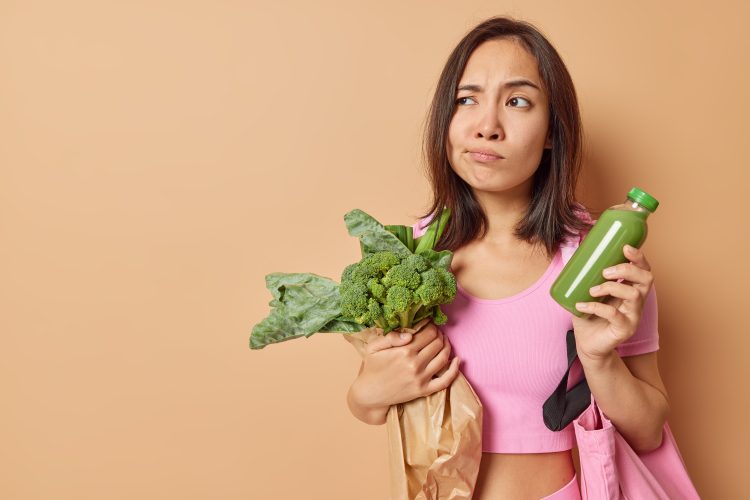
x=516, y=99
x=461, y=100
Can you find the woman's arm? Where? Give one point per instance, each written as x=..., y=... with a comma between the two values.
x=628, y=390
x=396, y=370
x=631, y=393
x=372, y=415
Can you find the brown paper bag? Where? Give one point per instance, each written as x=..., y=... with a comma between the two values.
x=434, y=442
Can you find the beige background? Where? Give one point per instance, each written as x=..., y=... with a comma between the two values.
x=159, y=158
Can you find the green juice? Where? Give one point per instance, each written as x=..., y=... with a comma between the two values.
x=618, y=226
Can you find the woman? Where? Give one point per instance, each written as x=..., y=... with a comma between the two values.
x=503, y=147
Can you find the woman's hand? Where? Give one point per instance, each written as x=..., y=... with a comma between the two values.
x=610, y=323
x=396, y=370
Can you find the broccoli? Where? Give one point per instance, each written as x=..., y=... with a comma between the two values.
x=390, y=291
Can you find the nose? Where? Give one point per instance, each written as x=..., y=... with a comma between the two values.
x=489, y=126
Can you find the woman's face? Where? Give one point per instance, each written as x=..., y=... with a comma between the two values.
x=500, y=126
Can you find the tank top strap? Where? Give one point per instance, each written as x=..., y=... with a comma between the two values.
x=566, y=251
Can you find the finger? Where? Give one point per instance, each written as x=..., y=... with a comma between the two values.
x=612, y=301
x=430, y=350
x=636, y=256
x=424, y=337
x=437, y=362
x=642, y=278
x=628, y=307
x=391, y=339
x=445, y=379
x=605, y=311
x=627, y=292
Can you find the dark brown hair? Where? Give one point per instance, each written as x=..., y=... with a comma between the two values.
x=551, y=215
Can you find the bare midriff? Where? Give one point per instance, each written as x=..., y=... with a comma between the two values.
x=527, y=476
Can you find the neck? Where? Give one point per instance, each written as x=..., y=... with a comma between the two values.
x=504, y=210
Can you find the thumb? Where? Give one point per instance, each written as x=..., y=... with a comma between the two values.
x=391, y=339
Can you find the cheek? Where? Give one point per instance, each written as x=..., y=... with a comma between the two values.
x=453, y=144
x=533, y=135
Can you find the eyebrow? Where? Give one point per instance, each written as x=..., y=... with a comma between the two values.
x=520, y=82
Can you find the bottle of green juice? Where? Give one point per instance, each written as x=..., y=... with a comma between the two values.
x=618, y=226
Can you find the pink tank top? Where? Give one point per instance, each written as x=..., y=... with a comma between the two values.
x=513, y=354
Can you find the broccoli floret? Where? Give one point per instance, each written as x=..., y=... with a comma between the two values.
x=402, y=275
x=377, y=264
x=416, y=262
x=449, y=281
x=398, y=304
x=375, y=311
x=432, y=288
x=399, y=298
x=373, y=314
x=438, y=287
x=353, y=295
x=377, y=289
x=348, y=273
x=439, y=318
x=392, y=319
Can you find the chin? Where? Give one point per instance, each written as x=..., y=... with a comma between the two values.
x=489, y=181
x=497, y=184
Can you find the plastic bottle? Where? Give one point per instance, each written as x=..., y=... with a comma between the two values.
x=619, y=225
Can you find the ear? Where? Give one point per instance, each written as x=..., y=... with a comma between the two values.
x=548, y=142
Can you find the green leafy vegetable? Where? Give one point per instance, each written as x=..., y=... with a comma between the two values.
x=435, y=230
x=302, y=304
x=399, y=281
x=373, y=236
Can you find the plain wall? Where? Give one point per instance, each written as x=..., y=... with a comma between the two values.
x=158, y=159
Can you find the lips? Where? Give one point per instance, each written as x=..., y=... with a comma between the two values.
x=484, y=155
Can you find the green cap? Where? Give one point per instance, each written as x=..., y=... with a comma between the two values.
x=645, y=199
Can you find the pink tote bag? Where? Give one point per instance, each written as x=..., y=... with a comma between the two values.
x=612, y=470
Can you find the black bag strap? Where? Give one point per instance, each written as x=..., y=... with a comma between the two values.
x=562, y=407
